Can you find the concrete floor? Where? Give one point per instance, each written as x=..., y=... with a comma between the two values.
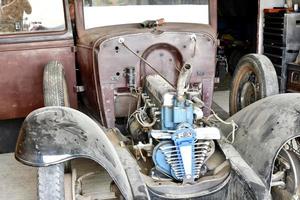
x=221, y=98
x=17, y=181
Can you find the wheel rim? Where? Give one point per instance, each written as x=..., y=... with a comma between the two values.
x=286, y=173
x=247, y=88
x=248, y=94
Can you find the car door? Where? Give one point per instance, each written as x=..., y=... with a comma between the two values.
x=32, y=33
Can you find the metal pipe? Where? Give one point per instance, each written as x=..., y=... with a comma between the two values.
x=182, y=81
x=278, y=183
x=122, y=41
x=278, y=176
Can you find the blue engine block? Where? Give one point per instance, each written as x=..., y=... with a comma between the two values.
x=179, y=113
x=176, y=157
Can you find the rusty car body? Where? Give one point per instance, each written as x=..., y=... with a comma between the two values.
x=145, y=112
x=24, y=55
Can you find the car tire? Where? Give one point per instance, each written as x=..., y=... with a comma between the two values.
x=51, y=182
x=254, y=78
x=54, y=85
x=51, y=179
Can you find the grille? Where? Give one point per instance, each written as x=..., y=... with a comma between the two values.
x=201, y=150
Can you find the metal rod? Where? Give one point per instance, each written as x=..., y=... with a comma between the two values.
x=121, y=41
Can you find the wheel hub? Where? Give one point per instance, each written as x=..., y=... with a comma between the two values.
x=285, y=178
x=248, y=94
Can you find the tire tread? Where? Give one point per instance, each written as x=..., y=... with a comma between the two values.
x=51, y=179
x=53, y=84
x=51, y=182
x=264, y=68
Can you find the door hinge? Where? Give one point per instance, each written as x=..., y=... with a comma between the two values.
x=74, y=49
x=79, y=88
x=217, y=80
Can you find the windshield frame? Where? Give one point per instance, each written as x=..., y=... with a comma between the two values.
x=16, y=37
x=124, y=12
x=79, y=6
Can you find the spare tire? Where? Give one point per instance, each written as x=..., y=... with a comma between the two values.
x=254, y=78
x=50, y=185
x=54, y=85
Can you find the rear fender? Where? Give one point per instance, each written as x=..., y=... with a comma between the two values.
x=263, y=128
x=52, y=135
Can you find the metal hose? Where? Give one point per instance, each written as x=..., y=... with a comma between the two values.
x=182, y=81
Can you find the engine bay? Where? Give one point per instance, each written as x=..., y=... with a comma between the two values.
x=162, y=95
x=170, y=136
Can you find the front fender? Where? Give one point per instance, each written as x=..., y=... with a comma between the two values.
x=264, y=127
x=53, y=135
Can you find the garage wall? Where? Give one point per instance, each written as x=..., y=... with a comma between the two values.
x=265, y=4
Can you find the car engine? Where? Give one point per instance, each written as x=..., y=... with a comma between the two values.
x=167, y=126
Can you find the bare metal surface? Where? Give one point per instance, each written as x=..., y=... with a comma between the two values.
x=264, y=127
x=183, y=80
x=248, y=175
x=143, y=60
x=287, y=168
x=52, y=135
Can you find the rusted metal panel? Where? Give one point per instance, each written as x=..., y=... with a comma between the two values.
x=85, y=62
x=102, y=75
x=166, y=48
x=79, y=17
x=213, y=15
x=22, y=60
x=34, y=45
x=21, y=77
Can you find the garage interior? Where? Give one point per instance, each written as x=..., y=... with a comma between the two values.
x=257, y=56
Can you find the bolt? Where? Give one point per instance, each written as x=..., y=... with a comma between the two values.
x=193, y=37
x=188, y=176
x=121, y=40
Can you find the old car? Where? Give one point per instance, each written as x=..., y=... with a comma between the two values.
x=144, y=127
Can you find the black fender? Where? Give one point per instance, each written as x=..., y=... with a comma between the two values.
x=52, y=135
x=263, y=128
